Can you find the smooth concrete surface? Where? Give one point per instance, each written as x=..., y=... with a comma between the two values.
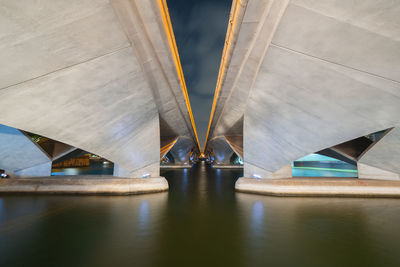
x=320, y=187
x=37, y=170
x=181, y=150
x=60, y=150
x=236, y=143
x=221, y=150
x=369, y=172
x=91, y=108
x=119, y=171
x=147, y=27
x=83, y=184
x=20, y=155
x=257, y=172
x=325, y=72
x=319, y=86
x=385, y=154
x=252, y=25
x=99, y=76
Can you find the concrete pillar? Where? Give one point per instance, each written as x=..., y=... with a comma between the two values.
x=369, y=172
x=382, y=160
x=252, y=171
x=181, y=150
x=120, y=172
x=236, y=143
x=152, y=170
x=222, y=150
x=20, y=156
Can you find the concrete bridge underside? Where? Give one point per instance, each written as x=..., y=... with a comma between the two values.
x=103, y=76
x=303, y=76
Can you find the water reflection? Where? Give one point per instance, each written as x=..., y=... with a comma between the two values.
x=184, y=180
x=97, y=231
x=1, y=210
x=320, y=231
x=143, y=214
x=257, y=217
x=201, y=221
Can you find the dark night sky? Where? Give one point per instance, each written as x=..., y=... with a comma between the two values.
x=200, y=28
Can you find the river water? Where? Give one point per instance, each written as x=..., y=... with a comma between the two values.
x=201, y=221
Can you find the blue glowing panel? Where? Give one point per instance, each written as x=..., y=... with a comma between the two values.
x=315, y=165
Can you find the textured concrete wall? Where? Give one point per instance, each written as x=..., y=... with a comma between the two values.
x=236, y=143
x=77, y=73
x=181, y=150
x=20, y=156
x=221, y=149
x=146, y=27
x=324, y=80
x=330, y=74
x=252, y=25
x=384, y=156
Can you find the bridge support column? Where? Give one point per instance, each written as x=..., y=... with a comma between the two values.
x=221, y=150
x=369, y=172
x=20, y=156
x=120, y=172
x=251, y=171
x=181, y=150
x=382, y=160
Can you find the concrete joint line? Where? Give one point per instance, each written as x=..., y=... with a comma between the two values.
x=264, y=17
x=334, y=63
x=68, y=67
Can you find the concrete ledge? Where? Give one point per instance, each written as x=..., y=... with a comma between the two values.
x=227, y=166
x=103, y=185
x=332, y=187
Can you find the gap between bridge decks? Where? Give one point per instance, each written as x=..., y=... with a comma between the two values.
x=227, y=48
x=162, y=4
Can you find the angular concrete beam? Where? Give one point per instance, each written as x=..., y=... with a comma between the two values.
x=252, y=26
x=221, y=150
x=94, y=76
x=252, y=171
x=60, y=150
x=166, y=145
x=181, y=150
x=147, y=26
x=369, y=172
x=20, y=156
x=236, y=143
x=326, y=73
x=382, y=160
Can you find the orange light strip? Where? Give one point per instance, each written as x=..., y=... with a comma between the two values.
x=174, y=49
x=167, y=147
x=234, y=145
x=237, y=149
x=222, y=66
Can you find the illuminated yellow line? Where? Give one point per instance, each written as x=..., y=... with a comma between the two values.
x=222, y=66
x=171, y=39
x=168, y=146
x=233, y=145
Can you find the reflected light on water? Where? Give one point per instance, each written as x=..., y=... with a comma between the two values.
x=184, y=180
x=1, y=209
x=144, y=211
x=218, y=180
x=257, y=216
x=201, y=221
